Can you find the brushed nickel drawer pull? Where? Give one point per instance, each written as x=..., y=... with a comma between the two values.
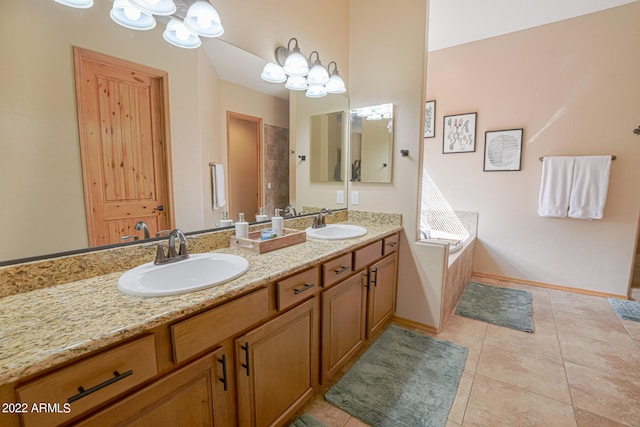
x=303, y=288
x=341, y=269
x=392, y=244
x=117, y=376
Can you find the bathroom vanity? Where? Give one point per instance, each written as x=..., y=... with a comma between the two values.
x=249, y=352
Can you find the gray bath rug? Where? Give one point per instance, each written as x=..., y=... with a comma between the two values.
x=629, y=310
x=306, y=420
x=405, y=379
x=501, y=306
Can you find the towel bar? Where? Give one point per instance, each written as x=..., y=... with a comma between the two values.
x=612, y=158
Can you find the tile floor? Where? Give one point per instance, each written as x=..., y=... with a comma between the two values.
x=581, y=367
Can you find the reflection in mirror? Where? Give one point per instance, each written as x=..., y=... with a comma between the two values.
x=308, y=193
x=371, y=143
x=327, y=132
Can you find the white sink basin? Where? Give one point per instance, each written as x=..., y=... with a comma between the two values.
x=336, y=232
x=199, y=271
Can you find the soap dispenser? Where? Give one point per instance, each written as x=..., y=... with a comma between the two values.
x=276, y=223
x=262, y=216
x=225, y=221
x=242, y=227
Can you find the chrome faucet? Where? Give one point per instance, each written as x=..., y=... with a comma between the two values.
x=319, y=221
x=290, y=211
x=141, y=225
x=172, y=254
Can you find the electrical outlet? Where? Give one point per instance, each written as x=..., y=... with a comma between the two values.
x=355, y=197
x=268, y=186
x=340, y=197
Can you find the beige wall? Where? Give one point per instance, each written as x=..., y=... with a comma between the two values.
x=574, y=87
x=388, y=66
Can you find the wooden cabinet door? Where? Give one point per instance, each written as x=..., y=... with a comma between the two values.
x=183, y=398
x=343, y=323
x=382, y=292
x=277, y=366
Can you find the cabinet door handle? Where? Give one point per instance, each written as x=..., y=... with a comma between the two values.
x=117, y=376
x=365, y=279
x=245, y=365
x=341, y=269
x=392, y=244
x=223, y=380
x=303, y=288
x=374, y=280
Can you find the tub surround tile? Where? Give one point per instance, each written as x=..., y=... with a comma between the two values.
x=44, y=327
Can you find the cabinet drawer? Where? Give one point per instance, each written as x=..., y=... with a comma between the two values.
x=200, y=332
x=336, y=269
x=367, y=255
x=89, y=382
x=297, y=288
x=391, y=244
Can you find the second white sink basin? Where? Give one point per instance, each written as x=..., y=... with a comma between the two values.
x=199, y=271
x=336, y=232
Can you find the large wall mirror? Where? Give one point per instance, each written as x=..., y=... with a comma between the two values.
x=40, y=167
x=371, y=144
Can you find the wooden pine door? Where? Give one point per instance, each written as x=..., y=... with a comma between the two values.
x=124, y=146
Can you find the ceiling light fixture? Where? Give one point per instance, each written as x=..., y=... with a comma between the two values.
x=183, y=28
x=293, y=68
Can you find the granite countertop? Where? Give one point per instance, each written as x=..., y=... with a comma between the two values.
x=45, y=327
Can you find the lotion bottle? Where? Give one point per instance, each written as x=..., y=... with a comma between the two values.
x=225, y=221
x=276, y=223
x=262, y=216
x=242, y=227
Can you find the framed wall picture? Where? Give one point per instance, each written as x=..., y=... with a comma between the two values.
x=430, y=119
x=459, y=133
x=503, y=150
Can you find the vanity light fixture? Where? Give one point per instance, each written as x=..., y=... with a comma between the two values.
x=79, y=4
x=293, y=68
x=129, y=16
x=179, y=35
x=183, y=30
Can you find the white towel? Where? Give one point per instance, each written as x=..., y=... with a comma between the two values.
x=589, y=187
x=217, y=186
x=555, y=186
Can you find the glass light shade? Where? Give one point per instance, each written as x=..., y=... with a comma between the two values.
x=316, y=91
x=273, y=73
x=336, y=84
x=204, y=20
x=318, y=75
x=155, y=7
x=296, y=83
x=179, y=35
x=79, y=4
x=296, y=64
x=123, y=13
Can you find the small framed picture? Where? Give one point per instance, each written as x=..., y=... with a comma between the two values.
x=430, y=119
x=503, y=150
x=459, y=133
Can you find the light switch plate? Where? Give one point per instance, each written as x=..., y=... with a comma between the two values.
x=340, y=197
x=355, y=197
